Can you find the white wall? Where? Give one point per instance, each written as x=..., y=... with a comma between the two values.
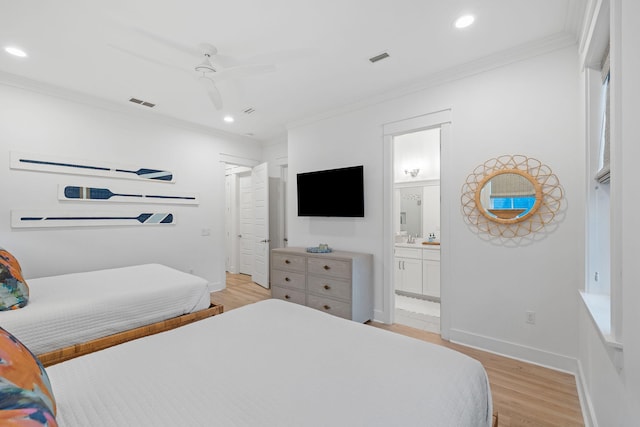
x=37, y=123
x=529, y=107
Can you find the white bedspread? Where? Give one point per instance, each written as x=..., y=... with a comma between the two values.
x=273, y=363
x=73, y=308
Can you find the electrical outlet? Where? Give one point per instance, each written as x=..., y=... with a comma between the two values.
x=531, y=317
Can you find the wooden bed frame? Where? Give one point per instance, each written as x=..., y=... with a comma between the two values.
x=66, y=353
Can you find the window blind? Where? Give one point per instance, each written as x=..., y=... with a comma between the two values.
x=603, y=174
x=511, y=185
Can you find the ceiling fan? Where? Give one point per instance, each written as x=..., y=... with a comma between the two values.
x=210, y=70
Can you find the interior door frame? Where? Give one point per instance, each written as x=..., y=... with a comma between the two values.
x=229, y=159
x=441, y=119
x=283, y=164
x=261, y=234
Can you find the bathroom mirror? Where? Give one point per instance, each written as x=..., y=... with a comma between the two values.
x=508, y=196
x=411, y=210
x=511, y=196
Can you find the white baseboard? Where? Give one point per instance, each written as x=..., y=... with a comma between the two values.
x=381, y=316
x=215, y=287
x=512, y=350
x=588, y=413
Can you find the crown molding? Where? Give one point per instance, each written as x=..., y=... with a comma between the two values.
x=19, y=82
x=468, y=69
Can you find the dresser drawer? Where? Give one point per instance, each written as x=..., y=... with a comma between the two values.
x=330, y=287
x=288, y=295
x=287, y=261
x=288, y=279
x=328, y=305
x=329, y=267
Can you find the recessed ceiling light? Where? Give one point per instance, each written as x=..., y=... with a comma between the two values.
x=229, y=119
x=464, y=21
x=15, y=51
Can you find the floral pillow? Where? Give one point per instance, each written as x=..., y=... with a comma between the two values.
x=26, y=398
x=14, y=292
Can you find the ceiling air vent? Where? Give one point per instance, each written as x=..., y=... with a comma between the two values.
x=249, y=110
x=141, y=102
x=383, y=55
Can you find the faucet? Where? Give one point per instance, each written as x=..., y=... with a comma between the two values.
x=411, y=239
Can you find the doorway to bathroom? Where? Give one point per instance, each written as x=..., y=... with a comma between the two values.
x=416, y=229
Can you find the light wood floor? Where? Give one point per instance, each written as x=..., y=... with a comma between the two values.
x=523, y=394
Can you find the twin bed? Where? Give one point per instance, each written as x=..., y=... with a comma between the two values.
x=76, y=313
x=271, y=363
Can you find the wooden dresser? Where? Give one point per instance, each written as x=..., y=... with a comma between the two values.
x=339, y=282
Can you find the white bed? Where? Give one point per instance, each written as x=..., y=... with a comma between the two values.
x=273, y=363
x=75, y=308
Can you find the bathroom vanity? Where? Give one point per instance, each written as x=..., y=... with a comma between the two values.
x=417, y=269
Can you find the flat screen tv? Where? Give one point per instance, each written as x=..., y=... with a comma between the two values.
x=334, y=192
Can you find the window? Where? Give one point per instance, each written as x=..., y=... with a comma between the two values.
x=513, y=202
x=599, y=247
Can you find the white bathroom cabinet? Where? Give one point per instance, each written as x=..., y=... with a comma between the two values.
x=408, y=270
x=431, y=272
x=417, y=270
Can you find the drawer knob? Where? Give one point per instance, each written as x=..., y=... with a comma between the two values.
x=286, y=261
x=286, y=279
x=287, y=297
x=327, y=287
x=326, y=307
x=326, y=267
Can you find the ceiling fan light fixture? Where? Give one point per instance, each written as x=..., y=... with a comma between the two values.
x=205, y=66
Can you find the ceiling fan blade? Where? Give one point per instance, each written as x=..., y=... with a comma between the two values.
x=170, y=43
x=243, y=71
x=212, y=91
x=282, y=56
x=147, y=58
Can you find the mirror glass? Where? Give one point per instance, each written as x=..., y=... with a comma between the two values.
x=507, y=196
x=411, y=210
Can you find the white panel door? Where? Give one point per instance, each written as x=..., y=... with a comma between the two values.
x=260, y=182
x=246, y=235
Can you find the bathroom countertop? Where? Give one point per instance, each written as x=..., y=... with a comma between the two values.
x=417, y=245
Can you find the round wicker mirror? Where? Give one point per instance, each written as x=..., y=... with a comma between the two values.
x=511, y=196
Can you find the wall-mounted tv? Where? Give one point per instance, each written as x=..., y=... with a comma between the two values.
x=333, y=192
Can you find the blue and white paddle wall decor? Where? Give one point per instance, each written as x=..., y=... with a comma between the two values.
x=46, y=163
x=114, y=194
x=37, y=219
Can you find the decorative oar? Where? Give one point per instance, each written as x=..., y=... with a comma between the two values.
x=142, y=172
x=73, y=192
x=145, y=218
